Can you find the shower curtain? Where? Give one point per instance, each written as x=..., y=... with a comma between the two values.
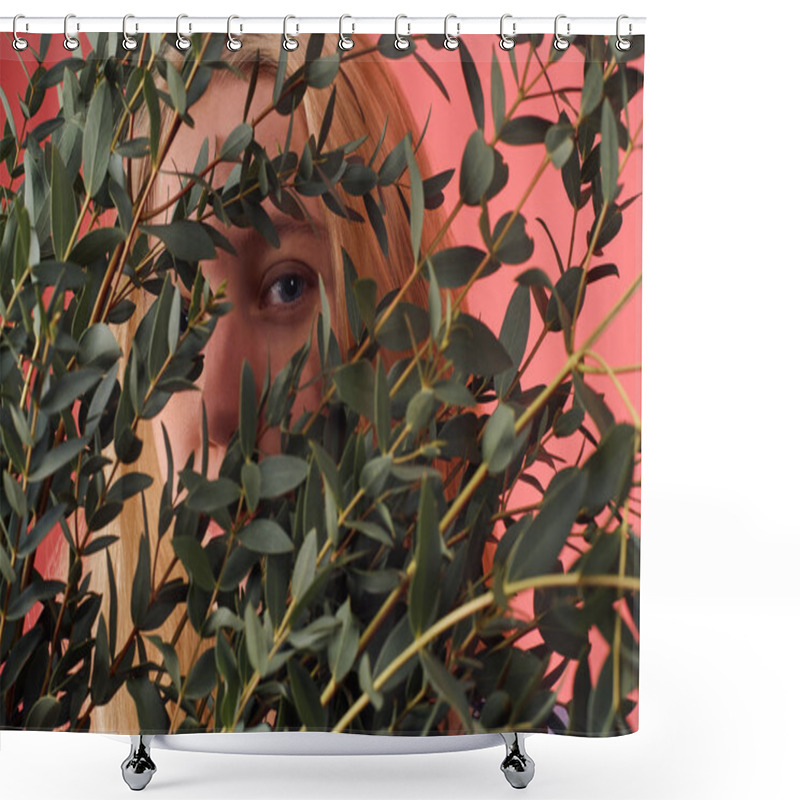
x=320, y=376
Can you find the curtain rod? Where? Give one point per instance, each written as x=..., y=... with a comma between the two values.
x=630, y=26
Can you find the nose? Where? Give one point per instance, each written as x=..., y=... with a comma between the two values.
x=231, y=342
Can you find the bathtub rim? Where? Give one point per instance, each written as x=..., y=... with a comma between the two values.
x=322, y=743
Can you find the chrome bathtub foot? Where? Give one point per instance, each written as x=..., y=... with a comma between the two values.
x=138, y=768
x=517, y=766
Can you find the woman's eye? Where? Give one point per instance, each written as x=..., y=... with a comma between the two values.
x=287, y=289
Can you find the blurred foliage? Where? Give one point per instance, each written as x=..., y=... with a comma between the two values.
x=348, y=591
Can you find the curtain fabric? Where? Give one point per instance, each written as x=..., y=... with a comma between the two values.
x=320, y=373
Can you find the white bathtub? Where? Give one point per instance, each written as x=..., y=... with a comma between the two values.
x=138, y=768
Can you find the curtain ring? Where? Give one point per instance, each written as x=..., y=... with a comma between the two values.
x=559, y=42
x=181, y=42
x=450, y=41
x=18, y=44
x=233, y=43
x=345, y=42
x=128, y=42
x=70, y=42
x=506, y=41
x=289, y=42
x=400, y=42
x=623, y=43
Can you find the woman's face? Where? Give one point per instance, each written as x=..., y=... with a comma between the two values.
x=274, y=292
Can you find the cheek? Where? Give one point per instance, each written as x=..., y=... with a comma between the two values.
x=177, y=417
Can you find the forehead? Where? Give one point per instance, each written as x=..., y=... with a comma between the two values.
x=221, y=108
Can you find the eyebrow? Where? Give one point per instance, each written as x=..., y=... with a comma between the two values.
x=286, y=225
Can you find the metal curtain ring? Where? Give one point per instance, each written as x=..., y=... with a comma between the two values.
x=450, y=41
x=128, y=42
x=18, y=43
x=623, y=43
x=233, y=43
x=400, y=42
x=559, y=42
x=289, y=42
x=70, y=42
x=181, y=42
x=506, y=41
x=345, y=42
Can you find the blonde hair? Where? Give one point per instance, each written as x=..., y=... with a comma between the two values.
x=369, y=85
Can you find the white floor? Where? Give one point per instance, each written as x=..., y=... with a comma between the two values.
x=718, y=719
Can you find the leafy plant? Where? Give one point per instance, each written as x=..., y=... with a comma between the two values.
x=348, y=591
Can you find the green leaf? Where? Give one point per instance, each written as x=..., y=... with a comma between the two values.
x=37, y=592
x=185, y=239
x=128, y=485
x=343, y=648
x=62, y=206
x=374, y=474
x=395, y=334
x=525, y=130
x=516, y=247
x=55, y=459
x=593, y=403
x=454, y=266
x=474, y=348
x=202, y=680
x=19, y=655
x=238, y=139
x=305, y=566
x=592, y=88
x=43, y=526
x=473, y=83
x=97, y=137
x=66, y=389
x=256, y=641
x=177, y=89
x=365, y=291
x=98, y=347
x=382, y=407
x=322, y=71
x=140, y=592
x=281, y=474
x=14, y=494
x=610, y=468
x=355, y=384
x=44, y=714
x=248, y=410
x=251, y=483
x=152, y=716
x=170, y=660
x=566, y=290
x=536, y=550
x=497, y=445
x=305, y=696
x=208, y=496
x=498, y=94
x=366, y=683
x=265, y=536
x=195, y=560
x=417, y=200
x=453, y=393
x=609, y=151
x=420, y=409
x=423, y=593
x=559, y=140
x=447, y=687
x=514, y=336
x=477, y=169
